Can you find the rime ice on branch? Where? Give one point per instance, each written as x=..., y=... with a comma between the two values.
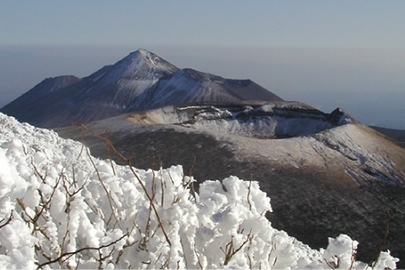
x=61, y=208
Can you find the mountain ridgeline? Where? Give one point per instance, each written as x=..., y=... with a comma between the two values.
x=140, y=81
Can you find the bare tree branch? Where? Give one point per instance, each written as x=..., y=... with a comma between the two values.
x=67, y=255
x=7, y=221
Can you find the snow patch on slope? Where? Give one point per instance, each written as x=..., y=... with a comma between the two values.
x=270, y=120
x=367, y=152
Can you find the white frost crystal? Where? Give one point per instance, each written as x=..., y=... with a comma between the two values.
x=61, y=207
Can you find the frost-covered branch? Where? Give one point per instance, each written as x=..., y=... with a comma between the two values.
x=56, y=202
x=129, y=163
x=111, y=203
x=6, y=222
x=230, y=250
x=62, y=258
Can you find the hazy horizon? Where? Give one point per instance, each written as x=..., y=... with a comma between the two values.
x=348, y=54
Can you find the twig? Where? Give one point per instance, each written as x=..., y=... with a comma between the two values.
x=248, y=195
x=8, y=220
x=162, y=188
x=46, y=204
x=384, y=241
x=110, y=199
x=70, y=254
x=353, y=258
x=43, y=177
x=333, y=264
x=230, y=250
x=129, y=163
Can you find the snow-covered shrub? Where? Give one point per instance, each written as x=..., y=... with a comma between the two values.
x=62, y=208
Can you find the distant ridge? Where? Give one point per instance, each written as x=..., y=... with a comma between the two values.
x=396, y=134
x=25, y=105
x=142, y=80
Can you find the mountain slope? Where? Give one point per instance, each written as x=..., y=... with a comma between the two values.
x=142, y=80
x=26, y=104
x=335, y=175
x=396, y=134
x=188, y=86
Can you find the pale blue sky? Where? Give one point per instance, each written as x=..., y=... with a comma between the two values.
x=348, y=54
x=353, y=24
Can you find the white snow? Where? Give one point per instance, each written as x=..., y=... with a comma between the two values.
x=142, y=65
x=62, y=208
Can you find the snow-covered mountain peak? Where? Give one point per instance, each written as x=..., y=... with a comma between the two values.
x=139, y=65
x=142, y=63
x=143, y=51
